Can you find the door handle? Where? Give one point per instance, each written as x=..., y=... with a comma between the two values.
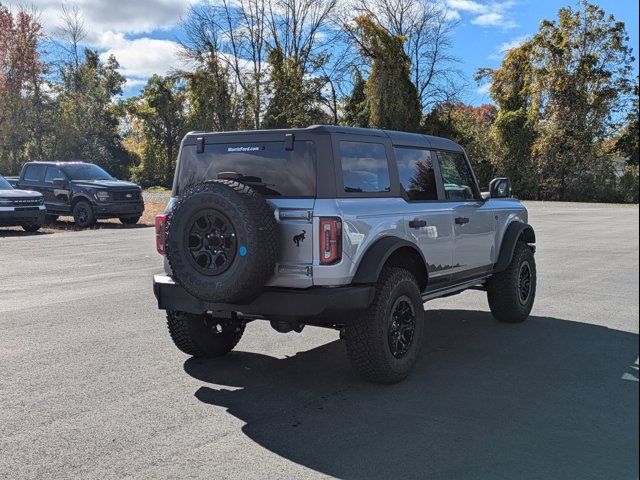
x=417, y=223
x=462, y=220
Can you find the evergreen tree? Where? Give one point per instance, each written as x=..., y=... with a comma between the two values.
x=391, y=97
x=356, y=113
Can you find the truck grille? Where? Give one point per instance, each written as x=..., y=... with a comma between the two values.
x=26, y=202
x=125, y=196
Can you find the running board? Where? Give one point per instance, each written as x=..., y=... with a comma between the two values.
x=443, y=292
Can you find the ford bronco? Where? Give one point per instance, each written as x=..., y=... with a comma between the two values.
x=346, y=228
x=20, y=208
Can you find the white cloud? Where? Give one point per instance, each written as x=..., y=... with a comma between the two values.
x=483, y=89
x=140, y=58
x=485, y=14
x=504, y=47
x=516, y=42
x=109, y=25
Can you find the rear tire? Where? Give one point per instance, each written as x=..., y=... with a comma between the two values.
x=203, y=336
x=129, y=220
x=383, y=342
x=511, y=293
x=83, y=214
x=32, y=228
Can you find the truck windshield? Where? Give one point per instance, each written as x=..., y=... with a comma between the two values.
x=86, y=171
x=267, y=167
x=4, y=185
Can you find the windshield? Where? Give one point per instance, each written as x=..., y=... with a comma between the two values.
x=4, y=185
x=86, y=171
x=267, y=167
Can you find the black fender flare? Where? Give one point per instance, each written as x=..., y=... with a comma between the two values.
x=81, y=196
x=515, y=231
x=375, y=257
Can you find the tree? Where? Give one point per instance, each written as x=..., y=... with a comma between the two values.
x=627, y=144
x=427, y=30
x=391, y=97
x=22, y=102
x=356, y=113
x=513, y=132
x=295, y=98
x=160, y=122
x=559, y=96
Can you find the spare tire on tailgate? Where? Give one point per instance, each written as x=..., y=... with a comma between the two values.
x=222, y=241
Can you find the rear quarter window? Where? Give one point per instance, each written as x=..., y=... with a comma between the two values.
x=365, y=168
x=267, y=167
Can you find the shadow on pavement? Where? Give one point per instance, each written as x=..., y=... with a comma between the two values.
x=543, y=399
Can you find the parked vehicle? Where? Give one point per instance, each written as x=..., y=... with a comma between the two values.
x=346, y=228
x=20, y=208
x=82, y=190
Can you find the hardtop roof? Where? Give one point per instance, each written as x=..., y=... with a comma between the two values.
x=405, y=139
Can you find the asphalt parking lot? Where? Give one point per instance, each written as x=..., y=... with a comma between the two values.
x=92, y=387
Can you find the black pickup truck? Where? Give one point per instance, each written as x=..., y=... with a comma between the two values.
x=20, y=208
x=82, y=190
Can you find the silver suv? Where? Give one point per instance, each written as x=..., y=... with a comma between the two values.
x=344, y=228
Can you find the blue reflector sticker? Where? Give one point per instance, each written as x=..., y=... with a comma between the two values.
x=243, y=251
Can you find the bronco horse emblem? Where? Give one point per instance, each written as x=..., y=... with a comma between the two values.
x=299, y=238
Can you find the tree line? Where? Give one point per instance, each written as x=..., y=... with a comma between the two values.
x=565, y=102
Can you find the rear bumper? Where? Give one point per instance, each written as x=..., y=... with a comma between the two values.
x=22, y=215
x=118, y=209
x=318, y=303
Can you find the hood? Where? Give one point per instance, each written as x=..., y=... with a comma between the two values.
x=19, y=194
x=113, y=184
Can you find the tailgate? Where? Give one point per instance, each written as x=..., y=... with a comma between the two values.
x=295, y=256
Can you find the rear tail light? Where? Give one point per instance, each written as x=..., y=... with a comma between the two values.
x=161, y=234
x=330, y=240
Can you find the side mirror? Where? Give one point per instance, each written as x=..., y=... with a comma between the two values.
x=59, y=183
x=500, y=188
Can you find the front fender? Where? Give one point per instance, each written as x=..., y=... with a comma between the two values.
x=516, y=231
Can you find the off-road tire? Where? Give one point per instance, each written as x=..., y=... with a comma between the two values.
x=197, y=336
x=32, y=228
x=256, y=238
x=367, y=335
x=129, y=220
x=83, y=214
x=503, y=288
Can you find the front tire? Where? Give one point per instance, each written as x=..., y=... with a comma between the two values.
x=383, y=343
x=511, y=293
x=203, y=336
x=83, y=214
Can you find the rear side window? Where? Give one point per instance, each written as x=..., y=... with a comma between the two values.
x=417, y=176
x=456, y=176
x=52, y=174
x=34, y=173
x=365, y=168
x=267, y=167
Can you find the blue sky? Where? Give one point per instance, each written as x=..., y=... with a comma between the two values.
x=143, y=34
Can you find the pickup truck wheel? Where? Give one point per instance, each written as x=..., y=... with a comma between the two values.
x=83, y=214
x=222, y=241
x=129, y=220
x=32, y=228
x=203, y=336
x=383, y=343
x=511, y=293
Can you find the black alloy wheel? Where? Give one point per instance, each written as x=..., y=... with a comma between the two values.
x=402, y=327
x=212, y=242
